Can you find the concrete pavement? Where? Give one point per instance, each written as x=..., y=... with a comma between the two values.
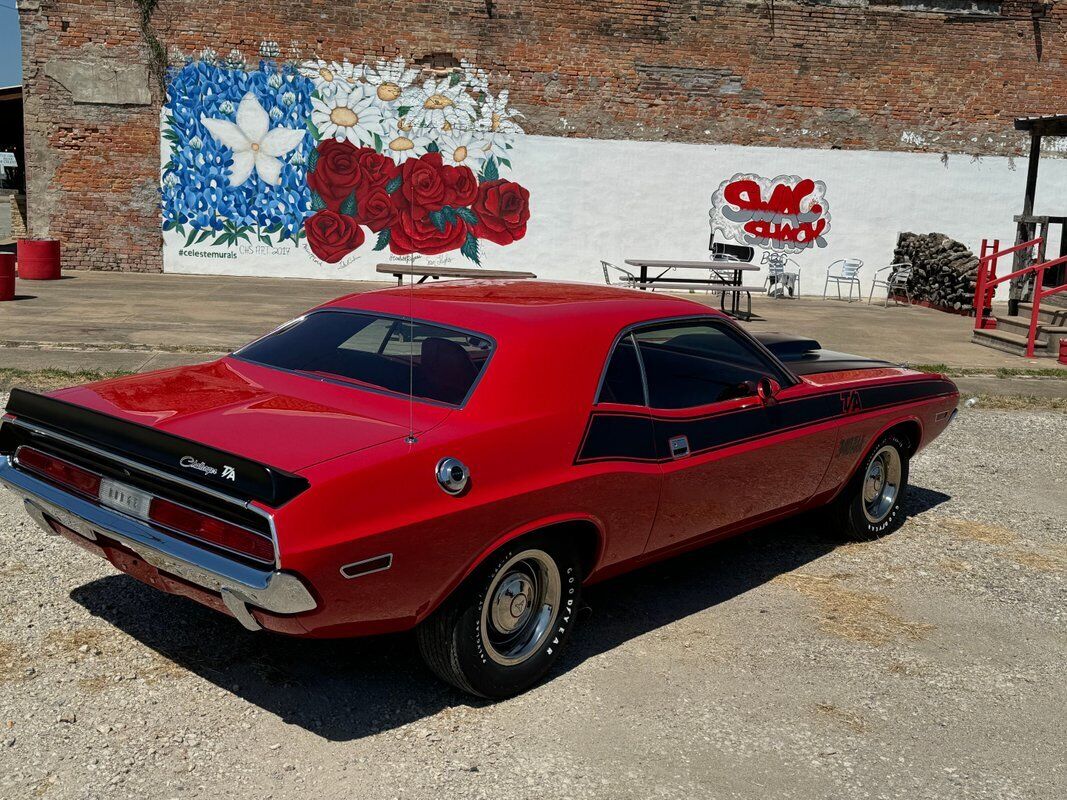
x=134, y=322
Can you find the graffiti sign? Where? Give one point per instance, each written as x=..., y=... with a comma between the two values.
x=786, y=213
x=334, y=157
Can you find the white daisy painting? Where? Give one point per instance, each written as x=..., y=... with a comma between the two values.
x=497, y=124
x=446, y=110
x=439, y=104
x=463, y=148
x=350, y=114
x=390, y=79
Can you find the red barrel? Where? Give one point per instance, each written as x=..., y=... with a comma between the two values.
x=7, y=276
x=38, y=259
x=1063, y=350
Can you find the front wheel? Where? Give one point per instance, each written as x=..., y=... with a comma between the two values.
x=504, y=628
x=869, y=506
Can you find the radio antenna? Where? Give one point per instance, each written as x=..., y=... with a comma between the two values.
x=411, y=438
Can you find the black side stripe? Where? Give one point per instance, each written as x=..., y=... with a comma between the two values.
x=619, y=436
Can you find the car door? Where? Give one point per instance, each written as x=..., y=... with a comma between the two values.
x=619, y=468
x=727, y=455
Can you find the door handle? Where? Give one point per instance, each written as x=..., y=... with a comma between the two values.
x=679, y=446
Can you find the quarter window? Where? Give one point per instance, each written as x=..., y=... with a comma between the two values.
x=622, y=381
x=696, y=363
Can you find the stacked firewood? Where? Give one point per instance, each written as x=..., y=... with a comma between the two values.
x=944, y=271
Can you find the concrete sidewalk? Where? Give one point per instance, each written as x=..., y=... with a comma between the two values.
x=128, y=321
x=110, y=321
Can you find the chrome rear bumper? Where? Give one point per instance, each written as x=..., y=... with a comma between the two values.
x=238, y=584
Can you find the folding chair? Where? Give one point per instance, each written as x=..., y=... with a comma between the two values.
x=780, y=278
x=628, y=278
x=894, y=284
x=848, y=274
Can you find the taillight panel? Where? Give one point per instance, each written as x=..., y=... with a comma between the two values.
x=175, y=517
x=211, y=530
x=59, y=471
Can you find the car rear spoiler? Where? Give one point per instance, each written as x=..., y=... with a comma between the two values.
x=183, y=458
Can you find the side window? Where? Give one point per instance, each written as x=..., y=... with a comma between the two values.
x=692, y=364
x=622, y=381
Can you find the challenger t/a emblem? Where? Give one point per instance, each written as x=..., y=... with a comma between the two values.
x=229, y=473
x=850, y=403
x=191, y=463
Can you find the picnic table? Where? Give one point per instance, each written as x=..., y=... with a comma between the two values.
x=727, y=277
x=398, y=271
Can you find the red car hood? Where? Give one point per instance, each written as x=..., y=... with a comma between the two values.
x=280, y=419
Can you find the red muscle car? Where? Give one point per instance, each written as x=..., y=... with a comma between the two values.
x=461, y=459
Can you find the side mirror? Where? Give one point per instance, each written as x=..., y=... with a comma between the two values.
x=766, y=389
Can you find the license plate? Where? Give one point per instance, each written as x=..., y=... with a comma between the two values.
x=125, y=498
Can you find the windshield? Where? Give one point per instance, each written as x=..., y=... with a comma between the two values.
x=436, y=363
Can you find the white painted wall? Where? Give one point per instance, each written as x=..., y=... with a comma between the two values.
x=595, y=199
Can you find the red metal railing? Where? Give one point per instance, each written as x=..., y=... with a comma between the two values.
x=1039, y=295
x=987, y=279
x=986, y=284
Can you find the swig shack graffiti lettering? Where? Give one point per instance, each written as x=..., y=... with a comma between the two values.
x=787, y=213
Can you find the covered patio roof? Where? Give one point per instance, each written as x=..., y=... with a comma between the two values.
x=1055, y=125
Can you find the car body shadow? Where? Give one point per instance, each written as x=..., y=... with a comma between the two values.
x=347, y=689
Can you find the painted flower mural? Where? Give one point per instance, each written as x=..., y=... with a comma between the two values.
x=340, y=154
x=219, y=191
x=253, y=142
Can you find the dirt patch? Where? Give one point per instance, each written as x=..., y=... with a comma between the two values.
x=1040, y=561
x=954, y=565
x=9, y=670
x=162, y=670
x=850, y=719
x=80, y=641
x=94, y=684
x=976, y=531
x=1008, y=541
x=854, y=614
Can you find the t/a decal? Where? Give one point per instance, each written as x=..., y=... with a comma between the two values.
x=850, y=403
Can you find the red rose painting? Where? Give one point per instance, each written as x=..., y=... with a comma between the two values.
x=332, y=236
x=337, y=172
x=421, y=174
x=421, y=207
x=502, y=208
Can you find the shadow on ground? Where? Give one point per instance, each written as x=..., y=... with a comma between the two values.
x=348, y=689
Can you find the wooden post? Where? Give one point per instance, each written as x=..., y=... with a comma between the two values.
x=1025, y=230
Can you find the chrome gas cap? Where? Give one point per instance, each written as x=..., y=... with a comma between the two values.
x=453, y=475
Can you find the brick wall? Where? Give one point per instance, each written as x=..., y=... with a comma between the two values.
x=851, y=74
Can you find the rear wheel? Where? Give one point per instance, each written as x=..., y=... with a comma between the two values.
x=503, y=629
x=869, y=507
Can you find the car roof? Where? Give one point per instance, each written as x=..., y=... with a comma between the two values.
x=496, y=307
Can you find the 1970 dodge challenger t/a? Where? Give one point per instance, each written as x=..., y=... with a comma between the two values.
x=460, y=458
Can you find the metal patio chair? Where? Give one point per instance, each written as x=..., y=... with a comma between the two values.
x=783, y=275
x=628, y=279
x=895, y=283
x=848, y=274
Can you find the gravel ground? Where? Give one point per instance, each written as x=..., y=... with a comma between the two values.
x=929, y=664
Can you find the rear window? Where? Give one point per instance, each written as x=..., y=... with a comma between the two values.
x=439, y=364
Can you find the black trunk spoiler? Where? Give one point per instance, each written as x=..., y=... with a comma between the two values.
x=806, y=356
x=191, y=461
